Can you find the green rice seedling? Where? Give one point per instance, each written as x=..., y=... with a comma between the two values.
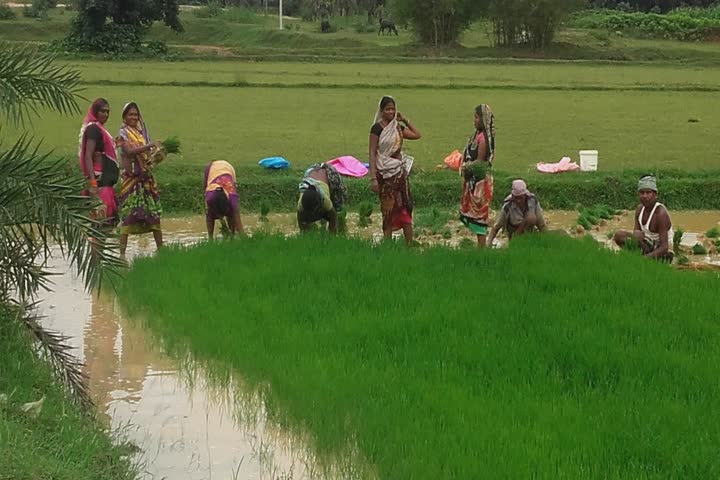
x=609, y=235
x=365, y=210
x=717, y=243
x=380, y=350
x=584, y=221
x=677, y=239
x=683, y=260
x=431, y=221
x=264, y=211
x=446, y=234
x=699, y=249
x=714, y=232
x=631, y=245
x=171, y=145
x=342, y=221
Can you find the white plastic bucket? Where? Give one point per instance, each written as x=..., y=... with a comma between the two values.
x=588, y=160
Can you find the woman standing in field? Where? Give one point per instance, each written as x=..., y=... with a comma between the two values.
x=140, y=208
x=476, y=170
x=388, y=167
x=98, y=162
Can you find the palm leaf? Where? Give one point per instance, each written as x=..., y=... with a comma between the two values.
x=31, y=80
x=41, y=210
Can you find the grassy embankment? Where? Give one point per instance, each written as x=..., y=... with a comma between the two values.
x=59, y=441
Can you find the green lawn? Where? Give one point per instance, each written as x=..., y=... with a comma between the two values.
x=630, y=129
x=464, y=364
x=61, y=442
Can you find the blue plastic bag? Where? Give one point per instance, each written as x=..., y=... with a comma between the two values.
x=276, y=163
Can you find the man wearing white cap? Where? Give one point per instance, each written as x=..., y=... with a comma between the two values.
x=653, y=228
x=520, y=213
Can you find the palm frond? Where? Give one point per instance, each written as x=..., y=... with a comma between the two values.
x=32, y=80
x=42, y=208
x=55, y=348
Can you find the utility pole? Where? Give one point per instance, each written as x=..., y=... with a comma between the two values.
x=280, y=9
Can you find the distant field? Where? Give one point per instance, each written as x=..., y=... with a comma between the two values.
x=631, y=129
x=495, y=75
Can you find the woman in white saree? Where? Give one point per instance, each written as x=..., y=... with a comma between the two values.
x=389, y=167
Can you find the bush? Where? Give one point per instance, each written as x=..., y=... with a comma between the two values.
x=680, y=24
x=157, y=48
x=528, y=22
x=212, y=9
x=6, y=13
x=438, y=23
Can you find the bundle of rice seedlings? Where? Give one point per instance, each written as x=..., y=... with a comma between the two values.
x=713, y=233
x=365, y=210
x=699, y=249
x=171, y=145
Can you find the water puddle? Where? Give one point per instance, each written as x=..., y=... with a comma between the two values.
x=184, y=427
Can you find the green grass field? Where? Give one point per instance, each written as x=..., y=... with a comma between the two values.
x=61, y=442
x=306, y=125
x=456, y=364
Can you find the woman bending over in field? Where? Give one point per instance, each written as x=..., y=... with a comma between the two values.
x=221, y=197
x=140, y=208
x=476, y=170
x=389, y=170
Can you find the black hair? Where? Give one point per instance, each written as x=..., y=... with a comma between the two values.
x=219, y=203
x=311, y=199
x=386, y=101
x=98, y=104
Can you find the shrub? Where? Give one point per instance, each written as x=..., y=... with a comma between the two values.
x=6, y=13
x=680, y=24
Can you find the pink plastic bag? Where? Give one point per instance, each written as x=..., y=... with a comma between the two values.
x=349, y=166
x=564, y=165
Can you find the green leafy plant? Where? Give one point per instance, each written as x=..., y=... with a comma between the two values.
x=714, y=232
x=171, y=145
x=677, y=239
x=365, y=210
x=264, y=211
x=699, y=249
x=6, y=13
x=342, y=221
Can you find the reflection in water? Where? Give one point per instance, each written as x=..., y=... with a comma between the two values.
x=184, y=428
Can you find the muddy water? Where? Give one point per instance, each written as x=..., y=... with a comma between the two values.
x=184, y=428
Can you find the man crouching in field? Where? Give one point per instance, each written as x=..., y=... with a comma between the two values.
x=322, y=195
x=520, y=213
x=653, y=228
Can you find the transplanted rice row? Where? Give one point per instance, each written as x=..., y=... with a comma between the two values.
x=550, y=359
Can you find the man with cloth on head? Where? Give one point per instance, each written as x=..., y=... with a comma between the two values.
x=653, y=228
x=322, y=195
x=520, y=213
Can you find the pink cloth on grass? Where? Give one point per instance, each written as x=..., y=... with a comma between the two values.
x=349, y=166
x=564, y=165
